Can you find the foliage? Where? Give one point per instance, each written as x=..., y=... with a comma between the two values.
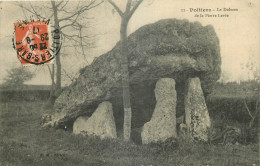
x=17, y=76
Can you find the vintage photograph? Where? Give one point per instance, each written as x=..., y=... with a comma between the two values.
x=130, y=83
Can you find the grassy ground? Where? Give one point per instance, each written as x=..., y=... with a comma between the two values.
x=23, y=142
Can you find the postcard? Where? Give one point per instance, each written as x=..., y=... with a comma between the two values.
x=130, y=82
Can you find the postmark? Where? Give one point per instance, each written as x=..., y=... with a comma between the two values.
x=35, y=43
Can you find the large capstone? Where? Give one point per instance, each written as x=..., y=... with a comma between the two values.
x=169, y=48
x=196, y=113
x=163, y=123
x=100, y=124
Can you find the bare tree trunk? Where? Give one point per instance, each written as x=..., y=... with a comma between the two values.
x=125, y=17
x=56, y=44
x=58, y=76
x=52, y=93
x=125, y=81
x=52, y=80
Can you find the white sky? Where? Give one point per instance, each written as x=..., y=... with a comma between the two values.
x=238, y=34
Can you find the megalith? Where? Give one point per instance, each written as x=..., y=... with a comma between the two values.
x=168, y=48
x=196, y=113
x=80, y=124
x=100, y=124
x=163, y=122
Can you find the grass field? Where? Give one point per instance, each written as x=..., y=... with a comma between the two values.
x=23, y=142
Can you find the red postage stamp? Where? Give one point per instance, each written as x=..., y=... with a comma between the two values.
x=32, y=42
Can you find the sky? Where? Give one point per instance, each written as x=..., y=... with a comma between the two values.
x=238, y=34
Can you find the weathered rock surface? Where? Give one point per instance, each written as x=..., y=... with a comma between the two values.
x=163, y=123
x=196, y=113
x=101, y=123
x=80, y=124
x=168, y=48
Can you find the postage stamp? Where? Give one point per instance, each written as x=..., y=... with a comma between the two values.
x=33, y=42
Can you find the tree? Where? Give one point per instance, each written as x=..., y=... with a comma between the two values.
x=17, y=76
x=252, y=92
x=125, y=17
x=69, y=22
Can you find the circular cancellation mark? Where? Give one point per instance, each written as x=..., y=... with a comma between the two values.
x=33, y=43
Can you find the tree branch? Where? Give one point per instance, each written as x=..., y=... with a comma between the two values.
x=74, y=21
x=116, y=8
x=63, y=5
x=75, y=24
x=31, y=11
x=134, y=9
x=75, y=36
x=49, y=69
x=37, y=15
x=50, y=16
x=66, y=26
x=81, y=43
x=248, y=110
x=128, y=6
x=68, y=75
x=59, y=3
x=82, y=10
x=70, y=37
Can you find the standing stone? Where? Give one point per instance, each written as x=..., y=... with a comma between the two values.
x=101, y=123
x=196, y=112
x=80, y=124
x=163, y=122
